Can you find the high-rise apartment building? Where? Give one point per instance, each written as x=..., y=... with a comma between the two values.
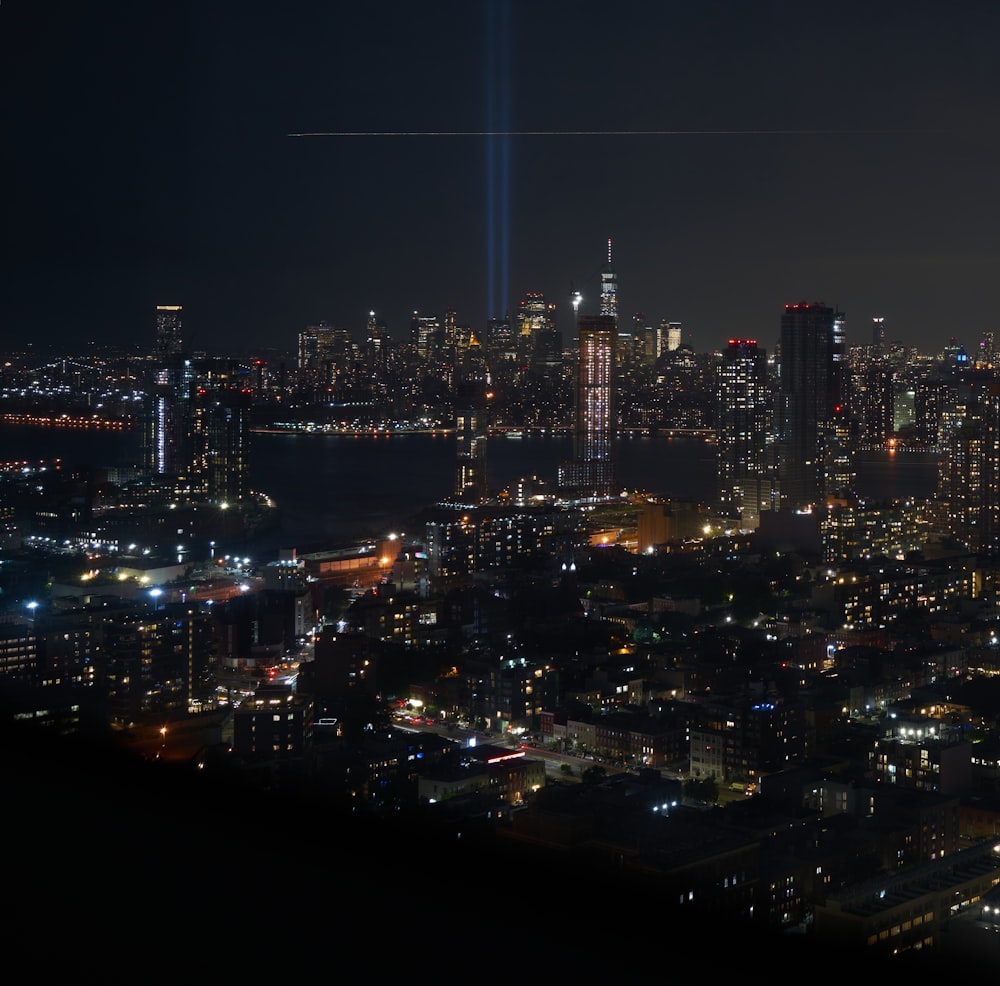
x=199, y=436
x=153, y=660
x=591, y=473
x=223, y=430
x=471, y=429
x=968, y=495
x=744, y=405
x=195, y=433
x=166, y=426
x=989, y=520
x=814, y=427
x=932, y=396
x=169, y=430
x=470, y=472
x=876, y=398
x=168, y=330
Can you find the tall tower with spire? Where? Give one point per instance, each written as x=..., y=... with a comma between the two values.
x=590, y=475
x=609, y=288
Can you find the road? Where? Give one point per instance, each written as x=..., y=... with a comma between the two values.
x=554, y=761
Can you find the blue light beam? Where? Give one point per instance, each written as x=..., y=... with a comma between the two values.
x=497, y=150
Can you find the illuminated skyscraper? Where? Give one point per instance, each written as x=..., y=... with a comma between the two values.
x=874, y=400
x=426, y=335
x=168, y=330
x=814, y=427
x=322, y=350
x=591, y=473
x=968, y=495
x=658, y=340
x=451, y=328
x=987, y=349
x=501, y=342
x=535, y=320
x=223, y=467
x=197, y=441
x=470, y=472
x=170, y=427
x=195, y=434
x=878, y=336
x=472, y=394
x=377, y=344
x=743, y=433
x=672, y=332
x=308, y=357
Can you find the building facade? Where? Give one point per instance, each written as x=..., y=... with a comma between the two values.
x=743, y=432
x=591, y=473
x=168, y=330
x=813, y=419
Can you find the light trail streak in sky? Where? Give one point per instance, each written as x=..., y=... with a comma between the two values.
x=600, y=133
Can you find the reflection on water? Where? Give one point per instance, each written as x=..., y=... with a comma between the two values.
x=338, y=486
x=897, y=475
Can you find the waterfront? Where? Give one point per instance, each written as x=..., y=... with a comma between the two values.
x=334, y=489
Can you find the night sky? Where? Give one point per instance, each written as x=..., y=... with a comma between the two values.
x=740, y=155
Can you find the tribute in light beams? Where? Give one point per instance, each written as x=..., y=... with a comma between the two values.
x=497, y=147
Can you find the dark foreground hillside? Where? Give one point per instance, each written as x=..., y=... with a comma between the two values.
x=118, y=871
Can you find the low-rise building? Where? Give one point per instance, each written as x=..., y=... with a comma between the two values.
x=898, y=913
x=276, y=723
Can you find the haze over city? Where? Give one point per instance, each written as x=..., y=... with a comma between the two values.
x=740, y=155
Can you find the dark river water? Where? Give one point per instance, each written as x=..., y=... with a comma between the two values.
x=336, y=488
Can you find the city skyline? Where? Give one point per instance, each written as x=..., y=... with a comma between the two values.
x=740, y=157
